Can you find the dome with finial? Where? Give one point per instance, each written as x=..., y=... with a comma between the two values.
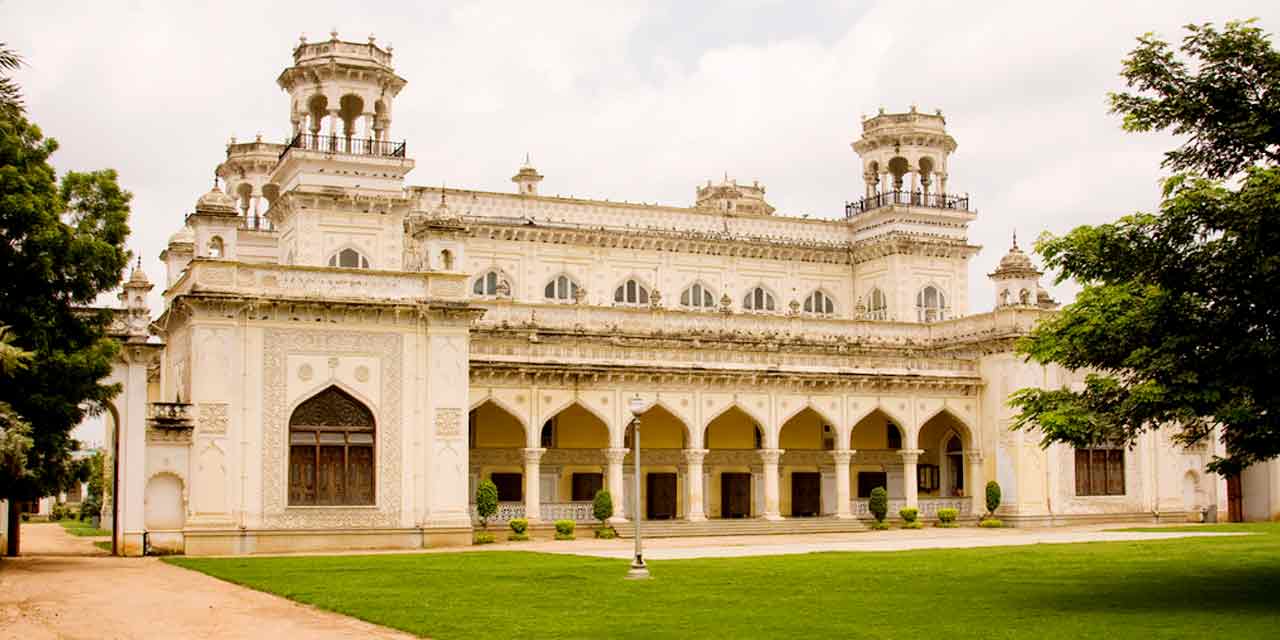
x=138, y=276
x=216, y=202
x=1016, y=263
x=185, y=235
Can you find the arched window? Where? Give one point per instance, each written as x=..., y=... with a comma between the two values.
x=819, y=302
x=349, y=259
x=561, y=288
x=631, y=292
x=931, y=304
x=215, y=247
x=758, y=299
x=1024, y=297
x=331, y=439
x=879, y=307
x=697, y=297
x=491, y=283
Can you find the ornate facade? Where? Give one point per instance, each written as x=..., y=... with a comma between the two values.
x=341, y=357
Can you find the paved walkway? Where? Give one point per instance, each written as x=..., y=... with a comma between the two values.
x=893, y=540
x=63, y=587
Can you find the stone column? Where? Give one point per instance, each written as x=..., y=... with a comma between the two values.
x=910, y=481
x=975, y=480
x=614, y=482
x=532, y=484
x=842, y=458
x=694, y=509
x=769, y=460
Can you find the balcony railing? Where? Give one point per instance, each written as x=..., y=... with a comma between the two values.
x=909, y=199
x=170, y=415
x=548, y=511
x=928, y=507
x=345, y=145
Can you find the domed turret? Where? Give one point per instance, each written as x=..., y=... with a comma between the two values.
x=216, y=203
x=527, y=178
x=1018, y=281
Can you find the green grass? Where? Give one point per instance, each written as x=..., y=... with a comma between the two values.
x=1219, y=587
x=82, y=528
x=105, y=545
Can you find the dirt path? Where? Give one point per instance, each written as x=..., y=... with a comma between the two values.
x=65, y=588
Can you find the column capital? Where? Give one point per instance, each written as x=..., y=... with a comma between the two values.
x=842, y=456
x=615, y=455
x=770, y=456
x=533, y=455
x=694, y=456
x=910, y=456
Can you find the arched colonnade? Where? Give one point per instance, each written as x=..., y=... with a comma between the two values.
x=722, y=455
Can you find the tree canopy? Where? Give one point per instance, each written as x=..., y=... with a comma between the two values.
x=61, y=246
x=1178, y=323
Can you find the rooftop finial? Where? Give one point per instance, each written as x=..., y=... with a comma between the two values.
x=333, y=33
x=372, y=39
x=1015, y=238
x=302, y=38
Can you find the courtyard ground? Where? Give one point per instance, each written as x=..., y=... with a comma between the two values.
x=1125, y=587
x=64, y=587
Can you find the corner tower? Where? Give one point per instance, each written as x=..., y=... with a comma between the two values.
x=905, y=155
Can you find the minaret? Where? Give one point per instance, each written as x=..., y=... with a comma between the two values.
x=527, y=178
x=133, y=300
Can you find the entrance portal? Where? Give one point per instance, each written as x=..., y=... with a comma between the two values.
x=735, y=495
x=806, y=494
x=1235, y=499
x=662, y=496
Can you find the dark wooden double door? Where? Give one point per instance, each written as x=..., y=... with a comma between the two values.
x=735, y=495
x=660, y=499
x=806, y=494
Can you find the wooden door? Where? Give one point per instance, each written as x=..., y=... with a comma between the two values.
x=585, y=486
x=735, y=495
x=662, y=496
x=1235, y=499
x=806, y=493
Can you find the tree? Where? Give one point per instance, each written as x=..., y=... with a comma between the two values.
x=1178, y=323
x=61, y=246
x=486, y=502
x=602, y=506
x=993, y=497
x=10, y=94
x=878, y=505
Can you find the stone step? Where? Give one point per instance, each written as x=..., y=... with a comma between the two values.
x=745, y=527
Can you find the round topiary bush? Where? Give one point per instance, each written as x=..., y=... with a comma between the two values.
x=947, y=517
x=483, y=537
x=564, y=529
x=909, y=515
x=519, y=529
x=878, y=505
x=993, y=497
x=991, y=523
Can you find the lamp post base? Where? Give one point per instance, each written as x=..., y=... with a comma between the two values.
x=638, y=571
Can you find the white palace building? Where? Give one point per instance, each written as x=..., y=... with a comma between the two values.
x=341, y=357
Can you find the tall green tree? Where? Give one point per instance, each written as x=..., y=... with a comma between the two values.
x=10, y=94
x=61, y=247
x=1178, y=322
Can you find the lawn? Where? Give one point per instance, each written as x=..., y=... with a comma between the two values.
x=82, y=528
x=1155, y=589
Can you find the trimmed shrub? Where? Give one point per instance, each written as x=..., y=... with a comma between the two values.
x=519, y=529
x=564, y=529
x=947, y=517
x=993, y=497
x=602, y=505
x=606, y=533
x=908, y=514
x=483, y=537
x=991, y=523
x=880, y=525
x=58, y=511
x=486, y=501
x=879, y=503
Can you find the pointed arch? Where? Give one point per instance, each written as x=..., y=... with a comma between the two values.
x=872, y=430
x=332, y=436
x=659, y=413
x=492, y=283
x=811, y=429
x=760, y=298
x=726, y=440
x=632, y=291
x=561, y=288
x=965, y=430
x=819, y=302
x=573, y=402
x=501, y=436
x=349, y=257
x=699, y=296
x=932, y=303
x=877, y=304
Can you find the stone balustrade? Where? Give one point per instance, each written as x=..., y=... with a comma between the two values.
x=928, y=507
x=550, y=512
x=292, y=282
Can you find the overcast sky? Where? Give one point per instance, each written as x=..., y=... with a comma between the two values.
x=638, y=100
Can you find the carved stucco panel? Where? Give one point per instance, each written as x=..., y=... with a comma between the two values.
x=279, y=345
